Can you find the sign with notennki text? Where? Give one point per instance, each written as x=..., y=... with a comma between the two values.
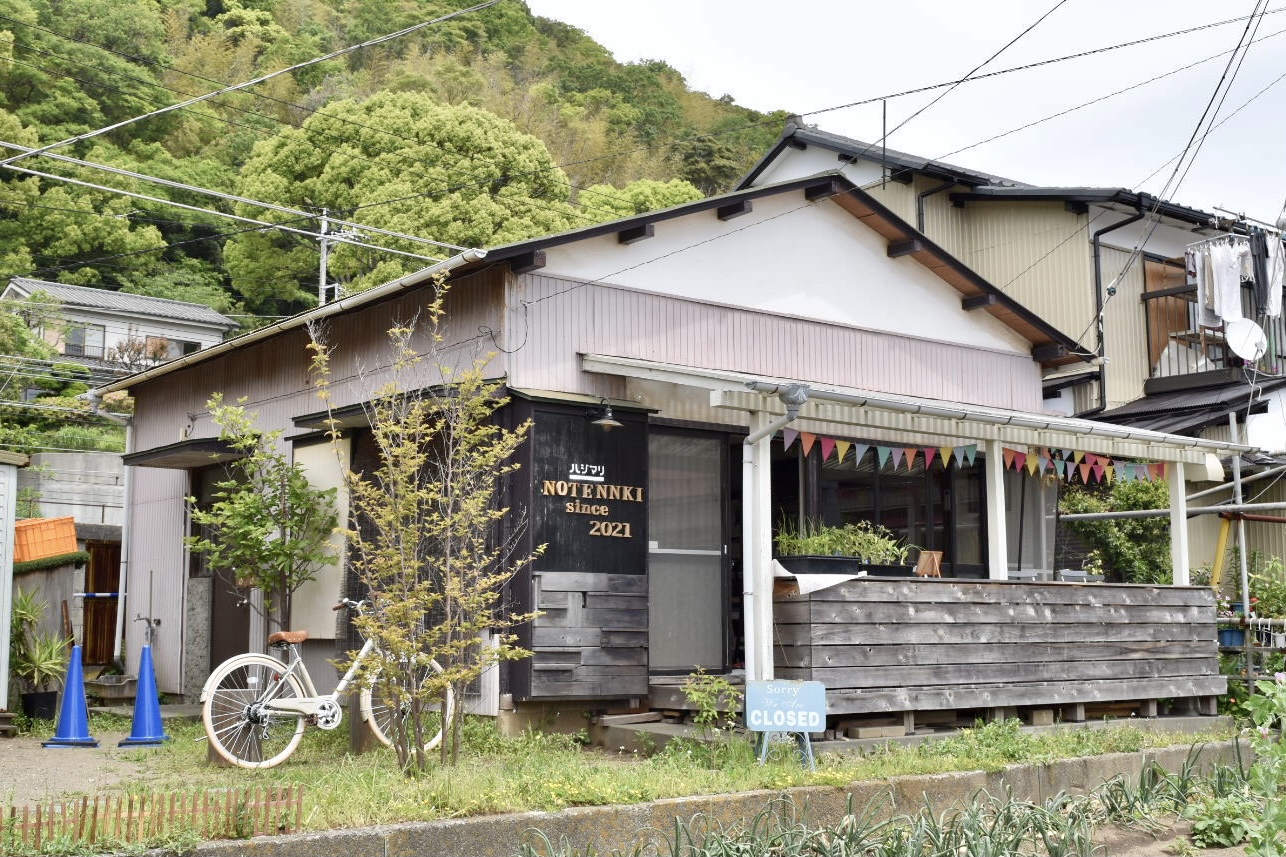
x=589, y=497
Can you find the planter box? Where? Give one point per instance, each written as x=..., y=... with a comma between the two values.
x=1232, y=636
x=816, y=564
x=37, y=538
x=111, y=688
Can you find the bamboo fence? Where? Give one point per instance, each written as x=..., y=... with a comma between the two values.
x=132, y=819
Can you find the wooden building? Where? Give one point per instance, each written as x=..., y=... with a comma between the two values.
x=749, y=346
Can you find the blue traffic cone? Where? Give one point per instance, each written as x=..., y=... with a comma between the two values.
x=148, y=730
x=73, y=716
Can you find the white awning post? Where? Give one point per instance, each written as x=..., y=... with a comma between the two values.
x=756, y=528
x=997, y=533
x=758, y=544
x=1174, y=476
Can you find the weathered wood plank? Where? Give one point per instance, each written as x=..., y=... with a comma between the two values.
x=543, y=636
x=948, y=590
x=624, y=656
x=597, y=600
x=624, y=637
x=1051, y=693
x=861, y=633
x=613, y=688
x=615, y=618
x=822, y=612
x=586, y=581
x=841, y=678
x=549, y=600
x=982, y=653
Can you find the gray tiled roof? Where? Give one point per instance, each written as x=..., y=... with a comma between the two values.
x=105, y=299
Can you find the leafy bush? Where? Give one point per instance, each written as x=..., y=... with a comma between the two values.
x=1222, y=822
x=1133, y=550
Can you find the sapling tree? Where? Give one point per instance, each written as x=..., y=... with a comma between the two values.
x=267, y=528
x=432, y=543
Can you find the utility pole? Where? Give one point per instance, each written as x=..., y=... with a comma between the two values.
x=322, y=286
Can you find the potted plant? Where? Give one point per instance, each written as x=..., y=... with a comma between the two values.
x=37, y=661
x=847, y=548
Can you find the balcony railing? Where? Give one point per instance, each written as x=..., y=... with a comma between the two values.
x=1179, y=346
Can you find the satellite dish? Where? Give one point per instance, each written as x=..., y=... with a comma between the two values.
x=1246, y=339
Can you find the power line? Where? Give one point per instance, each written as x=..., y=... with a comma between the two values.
x=88, y=135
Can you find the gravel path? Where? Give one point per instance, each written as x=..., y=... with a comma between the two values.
x=32, y=774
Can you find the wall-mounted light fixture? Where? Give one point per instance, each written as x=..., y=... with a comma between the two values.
x=604, y=419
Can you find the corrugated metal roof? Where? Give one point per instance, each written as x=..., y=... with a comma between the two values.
x=1183, y=411
x=106, y=299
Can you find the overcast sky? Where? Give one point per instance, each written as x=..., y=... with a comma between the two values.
x=811, y=57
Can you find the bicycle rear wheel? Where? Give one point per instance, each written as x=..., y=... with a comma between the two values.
x=239, y=727
x=383, y=715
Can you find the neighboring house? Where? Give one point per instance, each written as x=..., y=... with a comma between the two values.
x=111, y=334
x=117, y=331
x=1105, y=266
x=10, y=462
x=796, y=348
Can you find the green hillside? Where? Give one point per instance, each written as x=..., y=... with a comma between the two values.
x=489, y=127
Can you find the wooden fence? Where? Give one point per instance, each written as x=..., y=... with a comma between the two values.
x=887, y=646
x=132, y=819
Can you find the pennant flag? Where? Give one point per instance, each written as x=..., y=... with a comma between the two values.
x=929, y=452
x=971, y=452
x=1091, y=458
x=1099, y=470
x=806, y=438
x=1020, y=460
x=842, y=446
x=828, y=446
x=945, y=452
x=1059, y=466
x=788, y=437
x=859, y=453
x=1077, y=456
x=1110, y=472
x=898, y=452
x=1044, y=462
x=959, y=453
x=1160, y=469
x=882, y=453
x=1084, y=469
x=1067, y=455
x=910, y=454
x=1032, y=463
x=1009, y=456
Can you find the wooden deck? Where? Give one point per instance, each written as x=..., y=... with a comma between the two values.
x=901, y=647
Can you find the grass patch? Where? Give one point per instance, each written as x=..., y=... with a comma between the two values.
x=539, y=771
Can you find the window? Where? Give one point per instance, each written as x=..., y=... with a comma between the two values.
x=162, y=348
x=84, y=340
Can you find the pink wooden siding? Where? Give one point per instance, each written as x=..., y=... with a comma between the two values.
x=553, y=320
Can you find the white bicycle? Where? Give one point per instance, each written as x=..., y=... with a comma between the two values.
x=255, y=707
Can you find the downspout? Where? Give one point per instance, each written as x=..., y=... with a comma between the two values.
x=1099, y=303
x=793, y=396
x=919, y=201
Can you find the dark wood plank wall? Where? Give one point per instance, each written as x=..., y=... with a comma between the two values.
x=591, y=639
x=894, y=645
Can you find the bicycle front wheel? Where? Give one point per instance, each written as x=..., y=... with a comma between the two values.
x=237, y=722
x=384, y=716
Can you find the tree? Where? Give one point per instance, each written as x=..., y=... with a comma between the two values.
x=398, y=161
x=1133, y=550
x=606, y=202
x=268, y=527
x=433, y=544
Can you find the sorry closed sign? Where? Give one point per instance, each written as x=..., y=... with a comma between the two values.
x=785, y=706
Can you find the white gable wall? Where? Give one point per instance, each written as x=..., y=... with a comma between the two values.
x=794, y=258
